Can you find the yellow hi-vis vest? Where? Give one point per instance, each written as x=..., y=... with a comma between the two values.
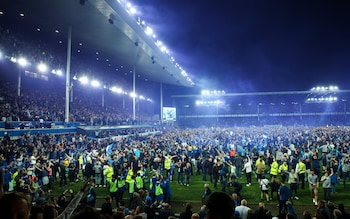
x=159, y=190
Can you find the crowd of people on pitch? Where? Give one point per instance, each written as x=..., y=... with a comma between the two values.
x=284, y=159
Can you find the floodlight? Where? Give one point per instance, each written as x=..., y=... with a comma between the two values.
x=95, y=83
x=42, y=67
x=128, y=5
x=132, y=10
x=84, y=80
x=116, y=89
x=58, y=72
x=149, y=31
x=21, y=61
x=163, y=49
x=142, y=97
x=159, y=43
x=132, y=94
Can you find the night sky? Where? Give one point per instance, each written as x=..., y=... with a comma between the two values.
x=244, y=46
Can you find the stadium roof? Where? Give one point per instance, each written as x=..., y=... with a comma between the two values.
x=104, y=28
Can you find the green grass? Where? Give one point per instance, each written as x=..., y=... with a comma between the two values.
x=193, y=193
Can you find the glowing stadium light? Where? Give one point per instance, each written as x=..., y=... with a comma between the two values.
x=58, y=72
x=116, y=90
x=132, y=94
x=149, y=31
x=333, y=88
x=142, y=97
x=84, y=80
x=128, y=5
x=95, y=83
x=132, y=10
x=327, y=99
x=21, y=61
x=212, y=92
x=163, y=48
x=205, y=92
x=209, y=102
x=42, y=67
x=159, y=43
x=324, y=88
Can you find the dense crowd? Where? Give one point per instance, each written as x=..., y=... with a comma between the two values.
x=284, y=159
x=45, y=100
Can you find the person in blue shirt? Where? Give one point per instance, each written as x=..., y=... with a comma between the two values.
x=284, y=194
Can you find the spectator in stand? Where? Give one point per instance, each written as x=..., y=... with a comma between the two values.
x=262, y=212
x=323, y=210
x=187, y=213
x=341, y=207
x=1, y=183
x=165, y=212
x=219, y=206
x=150, y=208
x=106, y=208
x=15, y=205
x=195, y=216
x=63, y=201
x=243, y=209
